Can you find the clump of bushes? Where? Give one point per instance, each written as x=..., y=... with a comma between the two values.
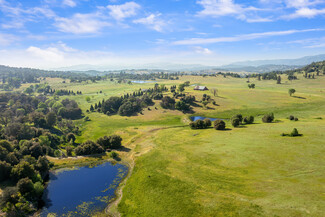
x=248, y=120
x=268, y=118
x=88, y=148
x=219, y=125
x=293, y=118
x=110, y=142
x=200, y=124
x=235, y=122
x=294, y=133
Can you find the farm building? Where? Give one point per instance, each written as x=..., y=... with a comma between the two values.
x=202, y=88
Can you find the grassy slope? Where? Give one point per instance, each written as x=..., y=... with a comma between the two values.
x=249, y=171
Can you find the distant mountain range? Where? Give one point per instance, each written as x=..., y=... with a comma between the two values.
x=289, y=62
x=256, y=66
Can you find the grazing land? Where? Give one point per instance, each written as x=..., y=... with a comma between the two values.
x=246, y=171
x=250, y=170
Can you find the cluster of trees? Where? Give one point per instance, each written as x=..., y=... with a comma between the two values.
x=13, y=77
x=167, y=102
x=125, y=106
x=25, y=166
x=201, y=124
x=206, y=123
x=123, y=76
x=100, y=146
x=46, y=89
x=238, y=120
x=130, y=104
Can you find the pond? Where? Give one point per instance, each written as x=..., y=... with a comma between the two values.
x=82, y=191
x=195, y=118
x=142, y=82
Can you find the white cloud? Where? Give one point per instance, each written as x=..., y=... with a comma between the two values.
x=120, y=12
x=259, y=20
x=153, y=22
x=305, y=13
x=6, y=39
x=244, y=37
x=202, y=50
x=81, y=24
x=51, y=54
x=219, y=7
x=69, y=3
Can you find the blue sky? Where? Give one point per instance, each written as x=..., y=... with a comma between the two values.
x=58, y=33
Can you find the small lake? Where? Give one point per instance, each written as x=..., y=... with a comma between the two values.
x=142, y=82
x=195, y=118
x=82, y=191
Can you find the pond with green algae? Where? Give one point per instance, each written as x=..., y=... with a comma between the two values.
x=82, y=191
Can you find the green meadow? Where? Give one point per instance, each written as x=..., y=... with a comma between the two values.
x=247, y=171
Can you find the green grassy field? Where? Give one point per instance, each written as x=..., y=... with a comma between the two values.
x=247, y=171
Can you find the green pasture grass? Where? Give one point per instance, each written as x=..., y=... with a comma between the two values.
x=249, y=171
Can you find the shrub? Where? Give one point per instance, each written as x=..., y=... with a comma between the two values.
x=294, y=132
x=239, y=117
x=199, y=124
x=291, y=91
x=249, y=120
x=69, y=151
x=219, y=125
x=235, y=122
x=182, y=106
x=268, y=118
x=5, y=170
x=296, y=119
x=25, y=186
x=88, y=148
x=114, y=154
x=192, y=125
x=57, y=153
x=207, y=122
x=71, y=137
x=291, y=117
x=167, y=102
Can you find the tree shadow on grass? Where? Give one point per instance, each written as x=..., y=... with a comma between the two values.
x=124, y=149
x=299, y=97
x=196, y=105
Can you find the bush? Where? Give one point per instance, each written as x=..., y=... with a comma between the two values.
x=239, y=117
x=249, y=120
x=167, y=102
x=291, y=117
x=5, y=170
x=69, y=151
x=207, y=122
x=296, y=119
x=25, y=186
x=114, y=154
x=199, y=124
x=268, y=118
x=235, y=122
x=57, y=153
x=219, y=125
x=88, y=148
x=182, y=106
x=71, y=137
x=294, y=133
